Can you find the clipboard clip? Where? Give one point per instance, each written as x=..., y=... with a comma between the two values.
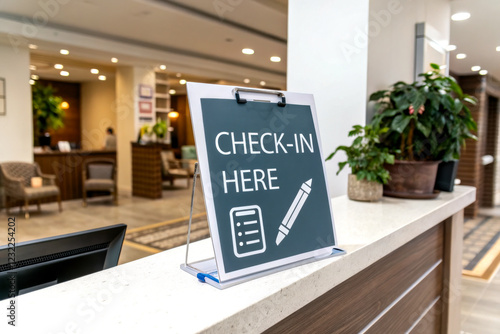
x=240, y=100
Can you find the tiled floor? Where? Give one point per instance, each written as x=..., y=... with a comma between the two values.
x=132, y=211
x=480, y=299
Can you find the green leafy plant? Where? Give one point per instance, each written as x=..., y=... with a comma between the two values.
x=160, y=128
x=47, y=110
x=427, y=119
x=364, y=156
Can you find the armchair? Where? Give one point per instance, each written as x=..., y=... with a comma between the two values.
x=172, y=168
x=16, y=178
x=99, y=175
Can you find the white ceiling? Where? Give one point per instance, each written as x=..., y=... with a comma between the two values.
x=477, y=37
x=202, y=40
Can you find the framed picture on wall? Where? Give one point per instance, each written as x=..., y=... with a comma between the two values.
x=145, y=108
x=145, y=91
x=3, y=107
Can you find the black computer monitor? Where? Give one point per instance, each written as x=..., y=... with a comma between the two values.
x=45, y=262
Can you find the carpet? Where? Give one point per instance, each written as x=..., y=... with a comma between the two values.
x=169, y=234
x=481, y=248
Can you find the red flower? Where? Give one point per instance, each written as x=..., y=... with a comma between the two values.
x=421, y=109
x=411, y=110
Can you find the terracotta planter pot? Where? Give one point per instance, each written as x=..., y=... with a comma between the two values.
x=363, y=190
x=412, y=179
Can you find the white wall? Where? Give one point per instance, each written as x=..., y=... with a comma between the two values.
x=391, y=45
x=128, y=80
x=98, y=112
x=16, y=128
x=327, y=56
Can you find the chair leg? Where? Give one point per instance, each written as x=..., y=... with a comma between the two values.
x=38, y=205
x=26, y=209
x=7, y=205
x=115, y=196
x=59, y=202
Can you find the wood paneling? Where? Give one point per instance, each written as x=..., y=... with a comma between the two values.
x=70, y=92
x=431, y=322
x=67, y=167
x=351, y=306
x=146, y=170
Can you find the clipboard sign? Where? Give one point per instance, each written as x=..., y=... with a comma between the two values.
x=263, y=179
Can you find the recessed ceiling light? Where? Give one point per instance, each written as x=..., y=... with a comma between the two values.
x=114, y=60
x=461, y=56
x=33, y=67
x=172, y=92
x=33, y=46
x=34, y=77
x=58, y=66
x=498, y=48
x=163, y=67
x=460, y=16
x=475, y=68
x=32, y=82
x=248, y=51
x=64, y=73
x=64, y=52
x=178, y=75
x=246, y=80
x=483, y=72
x=182, y=82
x=275, y=59
x=94, y=71
x=102, y=77
x=262, y=83
x=451, y=47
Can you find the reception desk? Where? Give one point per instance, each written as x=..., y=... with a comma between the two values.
x=67, y=167
x=401, y=273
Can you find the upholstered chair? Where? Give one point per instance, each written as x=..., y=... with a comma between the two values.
x=99, y=175
x=17, y=181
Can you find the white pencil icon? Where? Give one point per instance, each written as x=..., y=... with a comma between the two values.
x=293, y=211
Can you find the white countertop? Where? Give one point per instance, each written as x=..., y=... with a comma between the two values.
x=154, y=295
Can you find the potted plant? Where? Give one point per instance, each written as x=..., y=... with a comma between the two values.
x=160, y=129
x=366, y=159
x=428, y=122
x=47, y=112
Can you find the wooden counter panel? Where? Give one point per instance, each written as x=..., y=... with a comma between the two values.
x=431, y=322
x=352, y=305
x=67, y=167
x=401, y=317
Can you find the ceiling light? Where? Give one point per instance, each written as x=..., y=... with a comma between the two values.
x=172, y=92
x=64, y=73
x=460, y=16
x=246, y=80
x=64, y=52
x=182, y=82
x=483, y=72
x=102, y=77
x=262, y=83
x=65, y=105
x=178, y=75
x=114, y=60
x=461, y=56
x=33, y=46
x=248, y=51
x=32, y=67
x=173, y=114
x=58, y=66
x=498, y=48
x=34, y=77
x=32, y=82
x=275, y=59
x=94, y=71
x=163, y=67
x=451, y=47
x=475, y=68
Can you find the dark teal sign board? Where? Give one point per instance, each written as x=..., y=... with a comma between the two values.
x=266, y=183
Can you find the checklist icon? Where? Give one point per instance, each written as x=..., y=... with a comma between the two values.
x=247, y=230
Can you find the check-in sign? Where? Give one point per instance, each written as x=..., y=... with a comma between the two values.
x=263, y=178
